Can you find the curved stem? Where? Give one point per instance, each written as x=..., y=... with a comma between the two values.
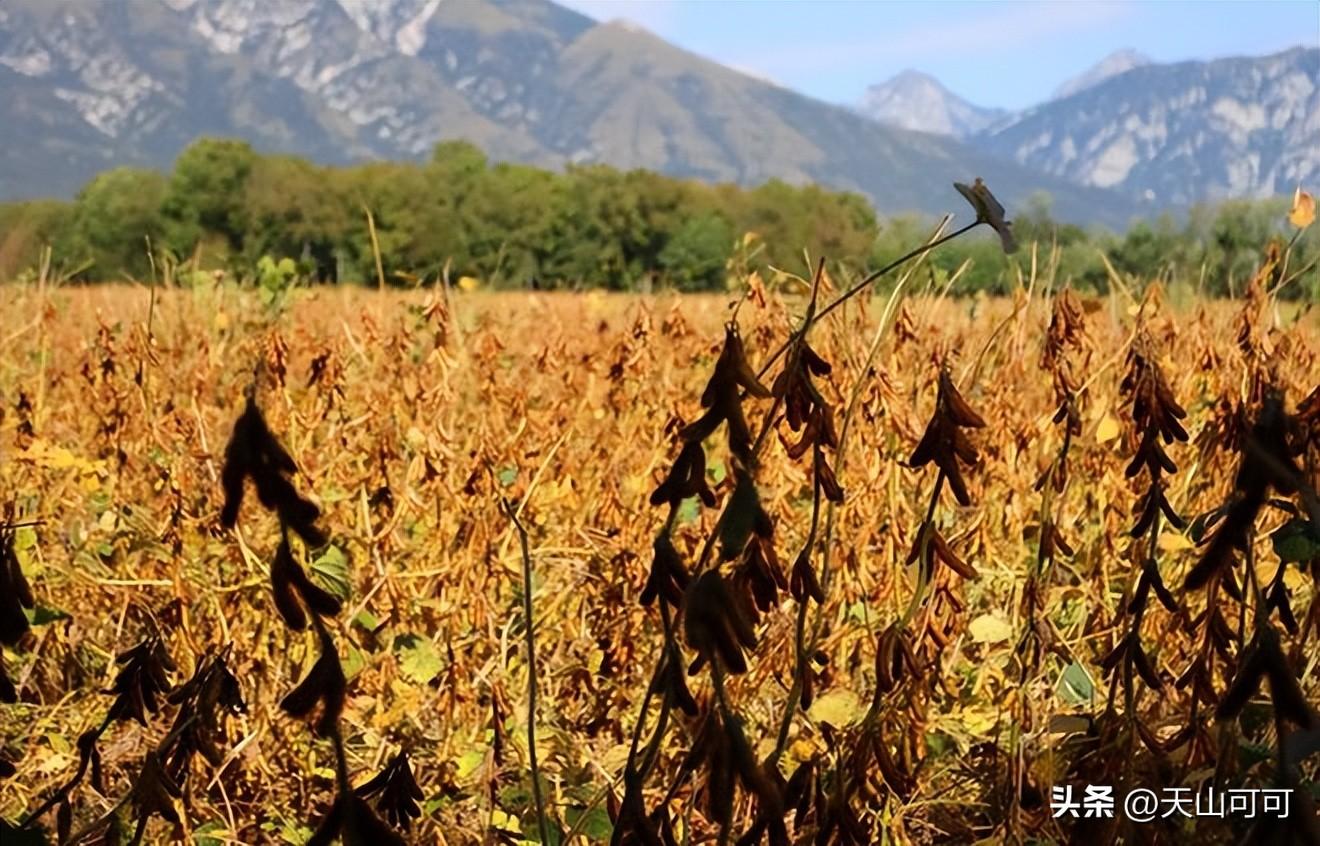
x=863, y=285
x=541, y=821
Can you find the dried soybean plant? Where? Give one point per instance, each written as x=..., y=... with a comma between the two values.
x=15, y=596
x=141, y=689
x=254, y=453
x=1065, y=337
x=719, y=604
x=1156, y=423
x=909, y=654
x=1267, y=464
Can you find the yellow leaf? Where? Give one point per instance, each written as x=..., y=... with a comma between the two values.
x=1171, y=542
x=1303, y=209
x=979, y=721
x=1107, y=430
x=989, y=628
x=802, y=750
x=839, y=708
x=468, y=283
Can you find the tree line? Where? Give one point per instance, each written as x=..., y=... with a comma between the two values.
x=226, y=206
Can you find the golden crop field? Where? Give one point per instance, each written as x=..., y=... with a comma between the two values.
x=967, y=658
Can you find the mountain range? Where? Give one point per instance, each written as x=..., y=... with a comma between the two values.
x=1165, y=134
x=90, y=84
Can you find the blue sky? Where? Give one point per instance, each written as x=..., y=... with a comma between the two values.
x=994, y=53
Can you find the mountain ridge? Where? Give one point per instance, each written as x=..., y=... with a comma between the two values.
x=1114, y=64
x=912, y=99
x=1180, y=133
x=133, y=81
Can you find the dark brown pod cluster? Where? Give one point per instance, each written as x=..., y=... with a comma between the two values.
x=931, y=548
x=671, y=679
x=945, y=442
x=142, y=681
x=1266, y=463
x=354, y=823
x=1157, y=417
x=687, y=478
x=716, y=624
x=809, y=413
x=895, y=662
x=1264, y=659
x=723, y=397
x=669, y=576
x=255, y=453
x=397, y=792
x=15, y=595
x=155, y=792
x=325, y=685
x=729, y=761
x=1067, y=330
x=204, y=702
x=293, y=590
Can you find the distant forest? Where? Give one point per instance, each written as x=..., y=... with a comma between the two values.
x=226, y=207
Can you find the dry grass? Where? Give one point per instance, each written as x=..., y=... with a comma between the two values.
x=418, y=424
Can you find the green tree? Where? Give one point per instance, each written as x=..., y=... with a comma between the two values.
x=694, y=259
x=206, y=194
x=113, y=216
x=29, y=227
x=291, y=209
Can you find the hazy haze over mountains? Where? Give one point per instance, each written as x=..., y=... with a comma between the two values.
x=92, y=85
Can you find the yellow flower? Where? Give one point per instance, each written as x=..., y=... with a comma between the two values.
x=1303, y=209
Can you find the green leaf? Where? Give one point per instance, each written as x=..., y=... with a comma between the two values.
x=25, y=537
x=689, y=511
x=354, y=662
x=211, y=834
x=367, y=620
x=717, y=471
x=1076, y=686
x=330, y=571
x=1297, y=540
x=43, y=615
x=468, y=762
x=507, y=475
x=1251, y=754
x=418, y=660
x=595, y=824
